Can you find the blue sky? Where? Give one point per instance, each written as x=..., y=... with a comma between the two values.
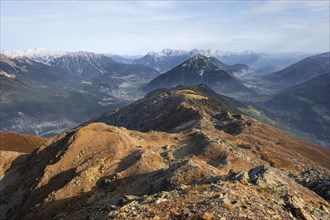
x=136, y=27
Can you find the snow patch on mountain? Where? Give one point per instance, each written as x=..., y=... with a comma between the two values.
x=49, y=57
x=32, y=53
x=192, y=53
x=40, y=55
x=168, y=52
x=8, y=75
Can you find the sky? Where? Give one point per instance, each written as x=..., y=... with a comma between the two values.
x=137, y=27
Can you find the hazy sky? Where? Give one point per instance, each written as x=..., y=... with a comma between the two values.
x=136, y=27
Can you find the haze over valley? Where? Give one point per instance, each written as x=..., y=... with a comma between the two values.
x=165, y=110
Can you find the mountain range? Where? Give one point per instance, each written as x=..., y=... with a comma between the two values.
x=263, y=63
x=73, y=87
x=305, y=107
x=301, y=71
x=200, y=140
x=237, y=70
x=163, y=110
x=201, y=159
x=45, y=92
x=199, y=70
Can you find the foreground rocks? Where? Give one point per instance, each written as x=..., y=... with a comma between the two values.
x=125, y=174
x=199, y=172
x=314, y=180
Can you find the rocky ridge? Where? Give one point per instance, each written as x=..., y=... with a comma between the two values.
x=199, y=171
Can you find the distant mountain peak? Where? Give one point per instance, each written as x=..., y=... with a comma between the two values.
x=179, y=105
x=31, y=53
x=172, y=52
x=199, y=62
x=199, y=56
x=167, y=59
x=198, y=69
x=167, y=52
x=90, y=56
x=41, y=54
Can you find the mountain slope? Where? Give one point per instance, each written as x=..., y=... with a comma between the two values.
x=166, y=110
x=20, y=143
x=46, y=93
x=163, y=61
x=44, y=110
x=198, y=70
x=89, y=65
x=187, y=108
x=73, y=67
x=302, y=71
x=237, y=70
x=106, y=172
x=306, y=107
x=167, y=59
x=14, y=147
x=35, y=73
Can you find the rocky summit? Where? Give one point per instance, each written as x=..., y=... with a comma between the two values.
x=189, y=154
x=200, y=70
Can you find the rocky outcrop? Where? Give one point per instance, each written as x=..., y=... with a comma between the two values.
x=314, y=180
x=100, y=171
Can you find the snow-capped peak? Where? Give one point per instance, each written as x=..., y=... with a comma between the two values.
x=8, y=75
x=84, y=54
x=248, y=52
x=168, y=52
x=47, y=56
x=33, y=53
x=199, y=63
x=154, y=54
x=171, y=52
x=211, y=53
x=208, y=53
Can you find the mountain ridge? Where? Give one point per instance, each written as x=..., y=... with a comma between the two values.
x=198, y=70
x=302, y=71
x=304, y=106
x=201, y=172
x=262, y=62
x=85, y=83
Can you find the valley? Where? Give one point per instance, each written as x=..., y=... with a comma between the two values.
x=165, y=110
x=84, y=85
x=185, y=152
x=48, y=94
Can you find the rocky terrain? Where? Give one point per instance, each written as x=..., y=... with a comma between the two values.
x=200, y=158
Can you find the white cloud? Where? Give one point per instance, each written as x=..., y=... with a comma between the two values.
x=137, y=27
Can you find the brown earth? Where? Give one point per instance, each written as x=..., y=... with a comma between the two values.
x=7, y=158
x=14, y=145
x=23, y=143
x=220, y=166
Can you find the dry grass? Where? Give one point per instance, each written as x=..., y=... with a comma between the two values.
x=19, y=143
x=191, y=94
